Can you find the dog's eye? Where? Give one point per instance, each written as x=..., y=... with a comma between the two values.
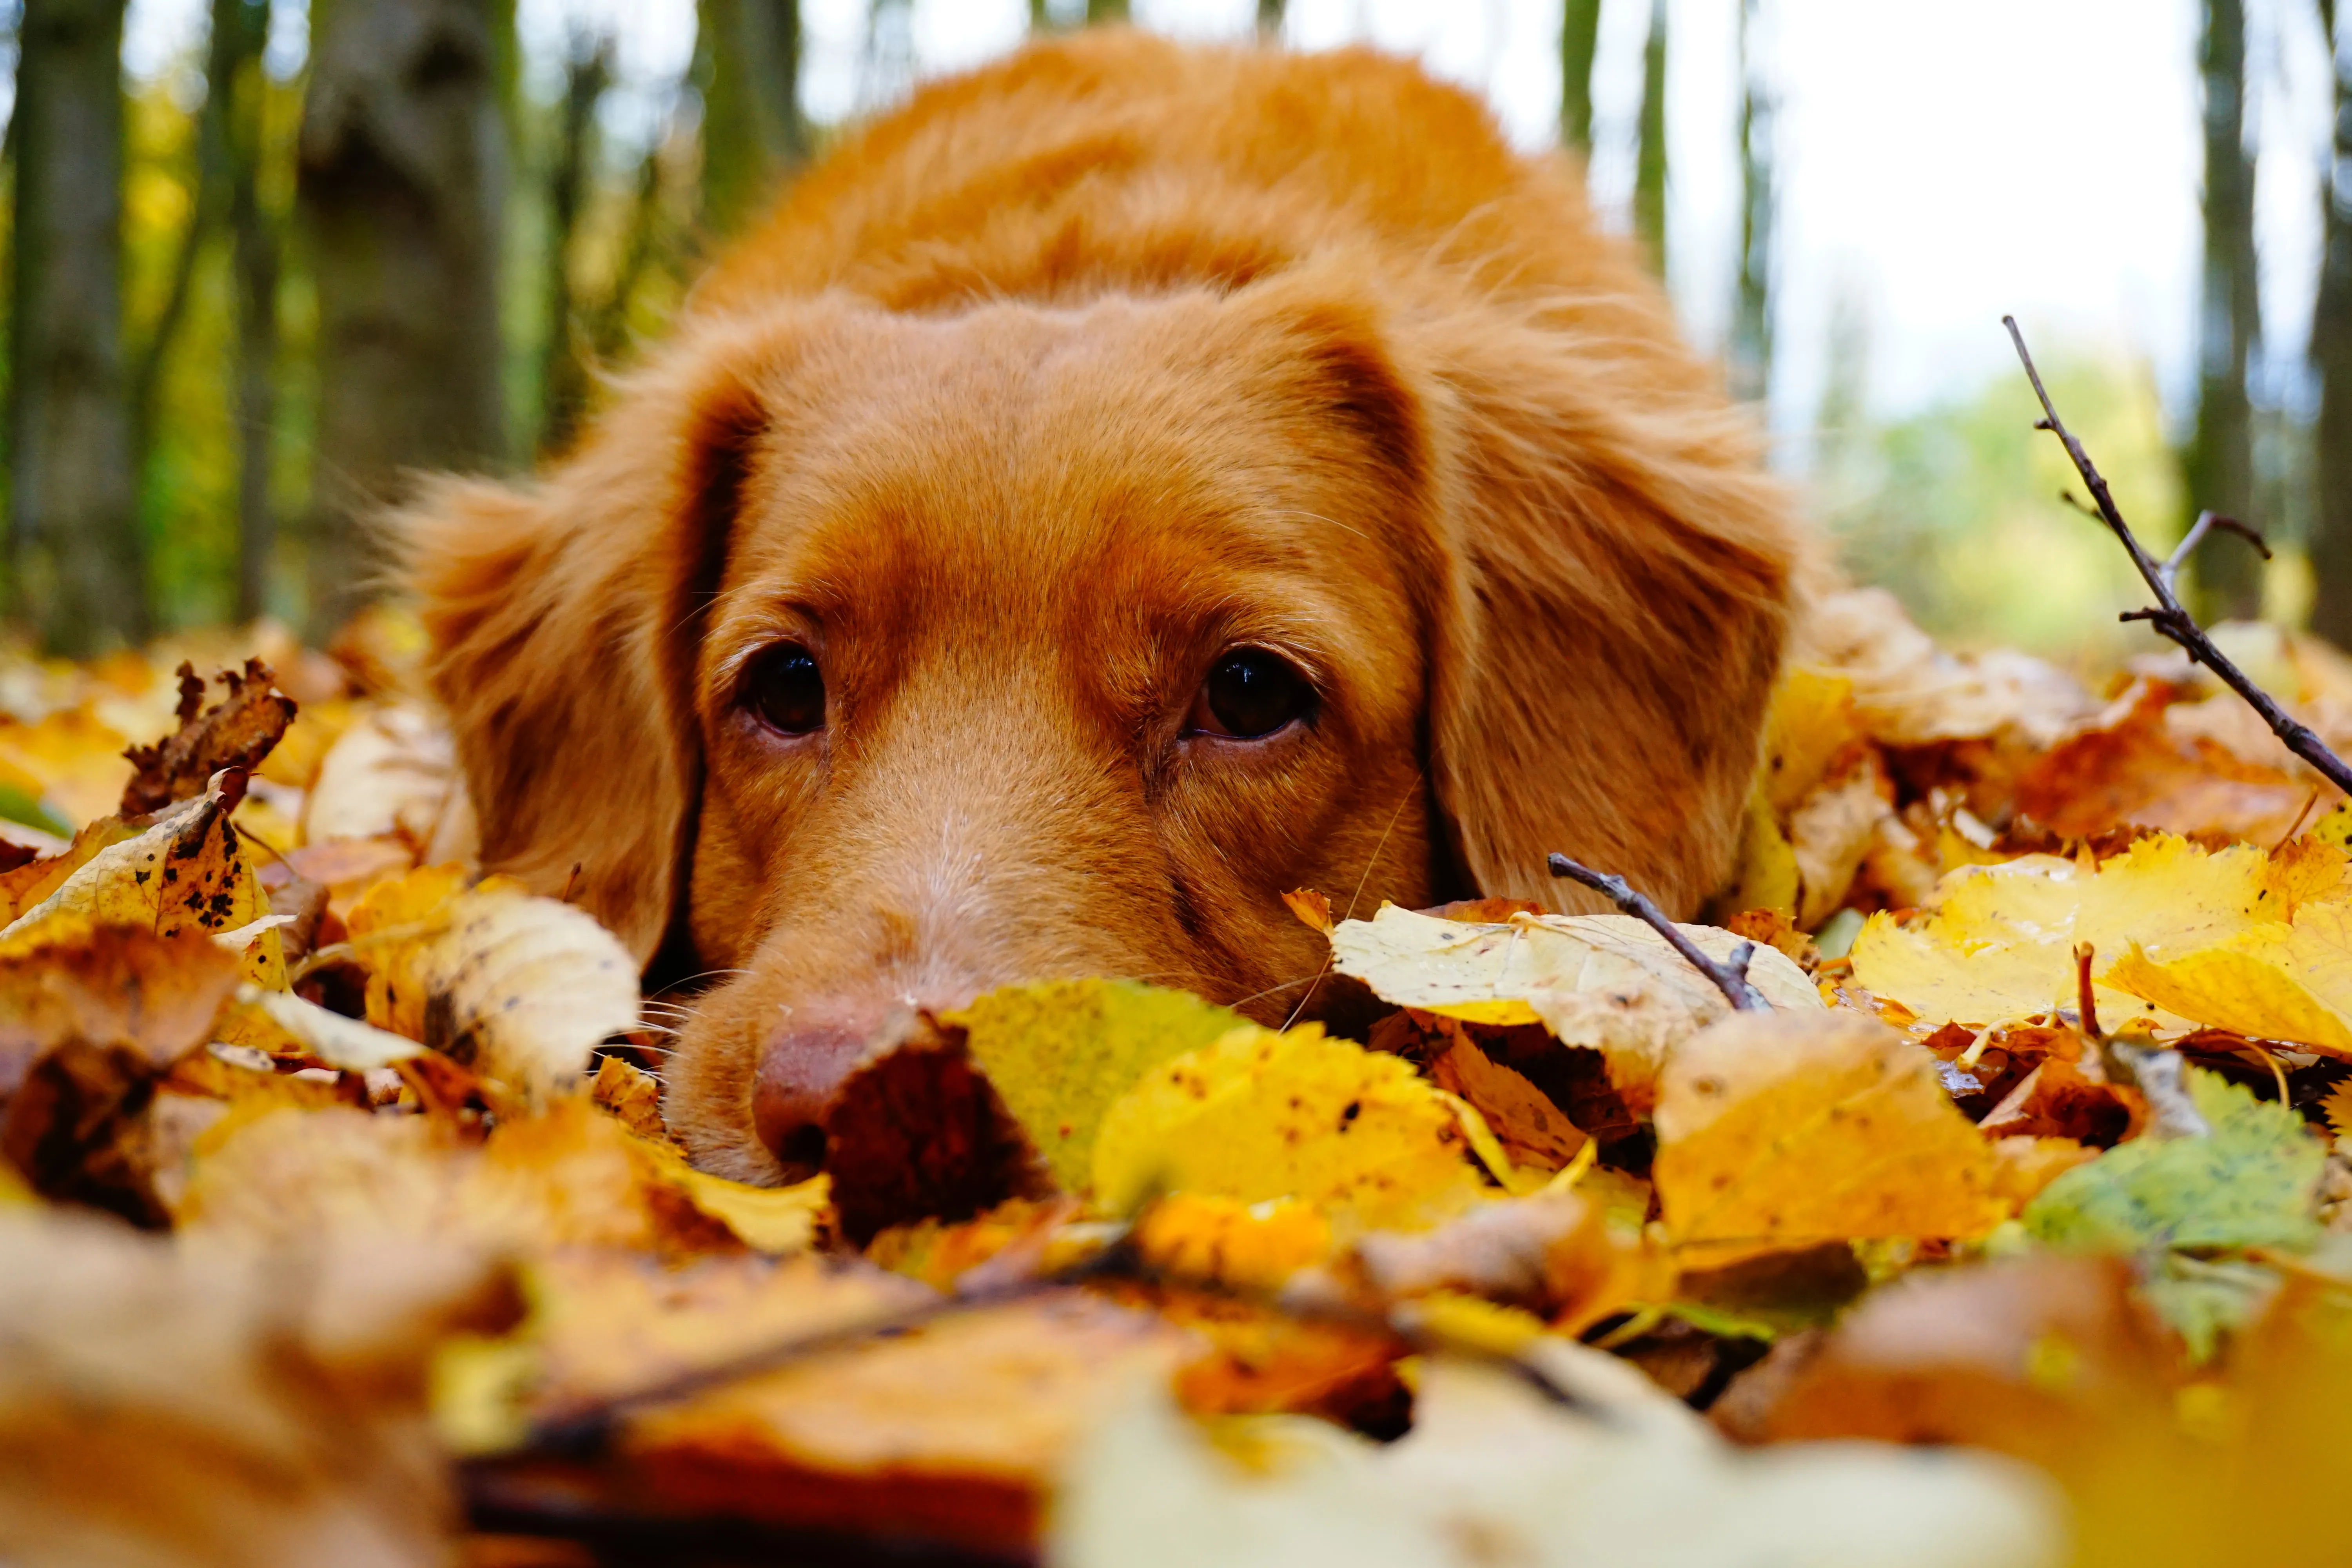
x=1251, y=693
x=786, y=690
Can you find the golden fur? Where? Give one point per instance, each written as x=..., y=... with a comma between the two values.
x=1026, y=403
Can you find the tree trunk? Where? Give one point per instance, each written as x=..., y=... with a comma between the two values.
x=1269, y=16
x=564, y=366
x=2331, y=350
x=1751, y=316
x=1579, y=42
x=1040, y=20
x=1105, y=11
x=749, y=56
x=403, y=168
x=2228, y=576
x=72, y=502
x=1650, y=158
x=254, y=261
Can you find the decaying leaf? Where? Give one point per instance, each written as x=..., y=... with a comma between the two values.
x=1779, y=1131
x=1998, y=941
x=951, y=1432
x=1607, y=981
x=109, y=987
x=1060, y=1052
x=1261, y=1116
x=2187, y=1205
x=237, y=731
x=522, y=989
x=166, y=1405
x=1493, y=1471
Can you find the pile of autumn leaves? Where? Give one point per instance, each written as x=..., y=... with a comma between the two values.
x=338, y=1221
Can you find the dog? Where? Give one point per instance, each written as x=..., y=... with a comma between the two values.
x=1128, y=482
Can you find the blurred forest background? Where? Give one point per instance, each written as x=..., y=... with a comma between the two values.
x=265, y=259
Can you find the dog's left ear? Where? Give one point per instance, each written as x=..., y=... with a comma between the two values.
x=1624, y=574
x=563, y=621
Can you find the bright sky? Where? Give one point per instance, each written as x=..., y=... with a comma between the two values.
x=1940, y=163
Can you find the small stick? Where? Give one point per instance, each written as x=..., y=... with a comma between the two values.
x=2167, y=616
x=1730, y=976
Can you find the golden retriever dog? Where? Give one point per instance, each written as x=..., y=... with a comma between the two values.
x=1128, y=482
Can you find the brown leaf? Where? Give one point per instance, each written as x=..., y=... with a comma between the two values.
x=916, y=1133
x=109, y=987
x=235, y=733
x=2133, y=769
x=951, y=1432
x=213, y=1409
x=1533, y=1130
x=1552, y=1253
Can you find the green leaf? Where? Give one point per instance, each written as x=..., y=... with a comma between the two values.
x=16, y=805
x=1058, y=1054
x=2186, y=1205
x=2250, y=1182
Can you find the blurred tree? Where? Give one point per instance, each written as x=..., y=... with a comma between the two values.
x=564, y=380
x=1269, y=16
x=2331, y=341
x=1040, y=19
x=748, y=61
x=1105, y=11
x=2228, y=577
x=1580, y=43
x=403, y=176
x=1751, y=315
x=255, y=246
x=1650, y=154
x=72, y=502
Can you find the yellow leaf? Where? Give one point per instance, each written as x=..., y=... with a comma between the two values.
x=1198, y=1238
x=1810, y=721
x=1997, y=942
x=1058, y=1054
x=1777, y=1131
x=1261, y=1116
x=2272, y=982
x=187, y=872
x=77, y=757
x=1607, y=981
x=1766, y=875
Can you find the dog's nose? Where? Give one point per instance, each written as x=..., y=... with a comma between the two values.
x=801, y=1069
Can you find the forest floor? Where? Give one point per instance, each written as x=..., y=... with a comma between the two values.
x=338, y=1221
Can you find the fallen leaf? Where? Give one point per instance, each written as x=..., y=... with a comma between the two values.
x=108, y=986
x=164, y=1404
x=1530, y=1126
x=632, y=1094
x=522, y=989
x=30, y=883
x=2191, y=1206
x=1997, y=942
x=1261, y=1116
x=1205, y=1240
x=951, y=1432
x=390, y=774
x=1059, y=1053
x=1831, y=830
x=1779, y=1131
x=1607, y=981
x=2132, y=769
x=1554, y=1252
x=76, y=756
x=2275, y=981
x=238, y=731
x=1495, y=1472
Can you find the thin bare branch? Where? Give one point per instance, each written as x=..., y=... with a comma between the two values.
x=2167, y=615
x=1729, y=976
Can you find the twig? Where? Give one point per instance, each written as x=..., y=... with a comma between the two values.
x=2167, y=616
x=1730, y=975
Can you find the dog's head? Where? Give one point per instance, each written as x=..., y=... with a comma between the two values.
x=873, y=658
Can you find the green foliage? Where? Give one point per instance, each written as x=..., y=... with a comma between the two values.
x=2189, y=1208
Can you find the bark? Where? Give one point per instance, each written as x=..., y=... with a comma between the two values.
x=1650, y=156
x=1039, y=19
x=403, y=170
x=753, y=135
x=1579, y=42
x=72, y=502
x=1269, y=16
x=564, y=366
x=2331, y=342
x=2229, y=580
x=256, y=247
x=1751, y=316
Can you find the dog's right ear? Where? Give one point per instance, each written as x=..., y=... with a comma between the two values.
x=562, y=620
